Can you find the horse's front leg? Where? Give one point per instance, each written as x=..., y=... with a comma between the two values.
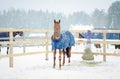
x=54, y=58
x=59, y=58
x=63, y=56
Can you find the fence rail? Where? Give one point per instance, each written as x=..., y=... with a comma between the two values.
x=47, y=41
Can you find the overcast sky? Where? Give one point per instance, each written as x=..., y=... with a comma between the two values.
x=64, y=6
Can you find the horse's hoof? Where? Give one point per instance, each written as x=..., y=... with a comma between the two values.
x=54, y=66
x=63, y=64
x=68, y=61
x=59, y=68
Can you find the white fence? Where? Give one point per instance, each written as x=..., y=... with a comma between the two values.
x=26, y=41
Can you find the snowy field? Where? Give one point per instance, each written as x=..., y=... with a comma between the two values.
x=36, y=67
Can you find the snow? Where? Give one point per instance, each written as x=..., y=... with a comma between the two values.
x=36, y=67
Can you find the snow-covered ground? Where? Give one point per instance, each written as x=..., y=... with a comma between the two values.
x=36, y=67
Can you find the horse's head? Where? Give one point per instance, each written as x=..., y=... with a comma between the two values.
x=20, y=33
x=56, y=34
x=80, y=36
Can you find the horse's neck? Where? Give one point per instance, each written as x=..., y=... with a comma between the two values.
x=58, y=34
x=56, y=37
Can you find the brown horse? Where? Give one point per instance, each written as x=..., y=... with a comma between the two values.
x=117, y=48
x=62, y=42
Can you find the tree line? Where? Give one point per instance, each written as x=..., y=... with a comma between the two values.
x=16, y=18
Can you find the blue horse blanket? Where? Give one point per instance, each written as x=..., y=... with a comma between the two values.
x=66, y=40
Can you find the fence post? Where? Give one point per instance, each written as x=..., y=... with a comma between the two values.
x=47, y=45
x=11, y=49
x=23, y=44
x=104, y=46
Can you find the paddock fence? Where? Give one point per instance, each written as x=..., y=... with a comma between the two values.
x=44, y=40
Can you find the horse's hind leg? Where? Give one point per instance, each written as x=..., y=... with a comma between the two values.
x=63, y=56
x=7, y=49
x=69, y=53
x=54, y=58
x=0, y=49
x=59, y=59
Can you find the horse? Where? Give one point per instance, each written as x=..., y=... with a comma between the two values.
x=117, y=48
x=97, y=46
x=4, y=36
x=63, y=42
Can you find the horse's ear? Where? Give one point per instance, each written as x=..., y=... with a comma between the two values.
x=54, y=21
x=59, y=20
